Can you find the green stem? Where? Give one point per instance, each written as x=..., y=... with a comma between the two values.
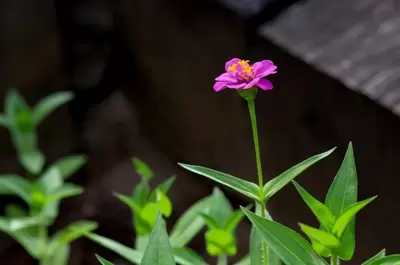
x=222, y=260
x=334, y=260
x=252, y=111
x=253, y=119
x=43, y=240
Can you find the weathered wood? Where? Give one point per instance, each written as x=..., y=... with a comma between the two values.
x=355, y=41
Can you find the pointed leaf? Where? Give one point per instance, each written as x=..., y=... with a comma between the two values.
x=70, y=233
x=343, y=221
x=342, y=194
x=165, y=186
x=103, y=261
x=322, y=237
x=220, y=209
x=33, y=162
x=65, y=191
x=128, y=201
x=233, y=221
x=159, y=250
x=29, y=241
x=69, y=165
x=122, y=250
x=210, y=222
x=276, y=184
x=16, y=185
x=189, y=223
x=376, y=257
x=242, y=186
x=388, y=260
x=142, y=169
x=47, y=105
x=141, y=193
x=163, y=203
x=186, y=256
x=14, y=103
x=319, y=209
x=287, y=244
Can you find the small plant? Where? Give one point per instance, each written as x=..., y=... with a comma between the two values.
x=41, y=190
x=270, y=242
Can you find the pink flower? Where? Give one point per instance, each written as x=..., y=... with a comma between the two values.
x=242, y=75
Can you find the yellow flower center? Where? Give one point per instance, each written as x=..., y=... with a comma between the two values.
x=242, y=69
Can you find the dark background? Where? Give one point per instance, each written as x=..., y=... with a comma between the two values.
x=143, y=71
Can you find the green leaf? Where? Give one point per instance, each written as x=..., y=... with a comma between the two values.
x=60, y=256
x=277, y=183
x=343, y=221
x=233, y=221
x=4, y=122
x=47, y=105
x=149, y=213
x=47, y=183
x=103, y=261
x=141, y=193
x=287, y=244
x=159, y=250
x=220, y=209
x=69, y=165
x=70, y=233
x=33, y=162
x=245, y=261
x=14, y=103
x=388, y=260
x=142, y=169
x=376, y=257
x=190, y=223
x=15, y=224
x=142, y=226
x=320, y=249
x=319, y=209
x=325, y=239
x=29, y=241
x=256, y=246
x=186, y=256
x=163, y=203
x=242, y=186
x=24, y=143
x=65, y=191
x=15, y=211
x=16, y=185
x=219, y=242
x=210, y=222
x=122, y=250
x=165, y=186
x=342, y=194
x=141, y=243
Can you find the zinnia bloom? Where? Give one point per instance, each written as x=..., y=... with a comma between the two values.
x=242, y=75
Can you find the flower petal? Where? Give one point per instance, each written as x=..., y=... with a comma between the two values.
x=236, y=85
x=218, y=86
x=252, y=83
x=264, y=84
x=230, y=62
x=227, y=78
x=264, y=68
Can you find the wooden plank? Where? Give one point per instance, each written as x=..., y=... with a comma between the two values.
x=357, y=42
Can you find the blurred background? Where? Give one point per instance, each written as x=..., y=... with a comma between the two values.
x=142, y=72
